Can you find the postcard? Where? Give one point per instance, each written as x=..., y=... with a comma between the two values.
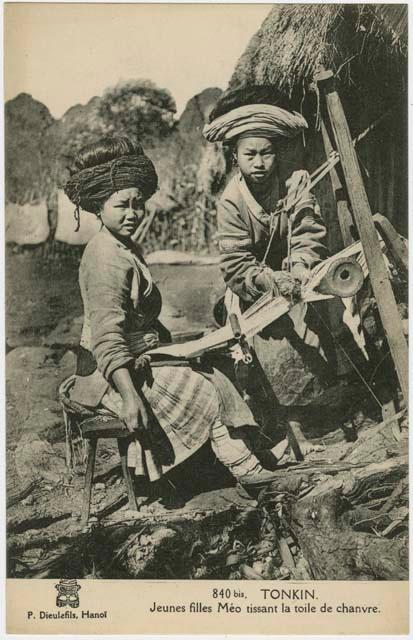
x=206, y=211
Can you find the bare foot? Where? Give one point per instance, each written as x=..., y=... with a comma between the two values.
x=300, y=446
x=308, y=447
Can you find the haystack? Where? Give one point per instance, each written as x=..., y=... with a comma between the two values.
x=366, y=47
x=26, y=224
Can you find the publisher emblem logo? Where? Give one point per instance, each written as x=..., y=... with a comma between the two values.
x=67, y=593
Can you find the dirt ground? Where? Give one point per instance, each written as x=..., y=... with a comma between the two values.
x=194, y=523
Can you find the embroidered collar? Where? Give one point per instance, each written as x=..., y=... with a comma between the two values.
x=257, y=211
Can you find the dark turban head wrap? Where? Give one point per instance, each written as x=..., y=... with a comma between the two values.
x=89, y=188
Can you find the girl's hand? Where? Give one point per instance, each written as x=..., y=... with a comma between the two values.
x=301, y=272
x=278, y=282
x=134, y=413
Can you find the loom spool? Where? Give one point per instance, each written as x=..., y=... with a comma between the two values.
x=344, y=278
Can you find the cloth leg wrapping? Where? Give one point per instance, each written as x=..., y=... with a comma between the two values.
x=233, y=453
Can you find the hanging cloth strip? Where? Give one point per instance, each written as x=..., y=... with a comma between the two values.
x=268, y=309
x=265, y=311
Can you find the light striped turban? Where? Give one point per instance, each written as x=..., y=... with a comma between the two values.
x=255, y=120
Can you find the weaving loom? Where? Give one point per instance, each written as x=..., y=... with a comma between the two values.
x=268, y=309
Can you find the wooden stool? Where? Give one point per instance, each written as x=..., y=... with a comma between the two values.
x=92, y=429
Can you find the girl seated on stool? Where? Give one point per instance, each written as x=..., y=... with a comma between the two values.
x=171, y=410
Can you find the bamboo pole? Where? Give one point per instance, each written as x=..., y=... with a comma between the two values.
x=363, y=217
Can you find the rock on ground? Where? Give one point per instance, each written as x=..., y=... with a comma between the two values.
x=66, y=334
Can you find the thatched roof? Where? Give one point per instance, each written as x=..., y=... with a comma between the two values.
x=360, y=42
x=365, y=45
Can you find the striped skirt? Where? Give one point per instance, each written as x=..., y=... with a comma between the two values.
x=185, y=407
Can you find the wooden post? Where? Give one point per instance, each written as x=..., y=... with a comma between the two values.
x=379, y=277
x=395, y=243
x=344, y=216
x=339, y=236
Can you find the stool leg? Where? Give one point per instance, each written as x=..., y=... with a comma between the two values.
x=87, y=491
x=123, y=444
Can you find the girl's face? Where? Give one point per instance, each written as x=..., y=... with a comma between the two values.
x=123, y=212
x=256, y=159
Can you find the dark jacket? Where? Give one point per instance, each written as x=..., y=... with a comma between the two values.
x=244, y=232
x=121, y=307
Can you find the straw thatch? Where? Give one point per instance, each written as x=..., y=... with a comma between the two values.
x=356, y=41
x=366, y=47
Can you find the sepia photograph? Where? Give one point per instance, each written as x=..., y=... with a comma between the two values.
x=206, y=266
